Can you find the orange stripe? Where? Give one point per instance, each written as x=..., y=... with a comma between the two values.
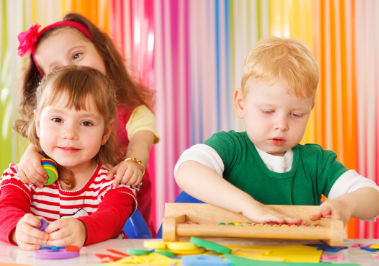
x=352, y=227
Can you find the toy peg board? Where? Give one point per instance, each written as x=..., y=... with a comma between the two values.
x=203, y=220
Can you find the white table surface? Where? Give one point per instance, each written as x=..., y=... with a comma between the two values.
x=13, y=254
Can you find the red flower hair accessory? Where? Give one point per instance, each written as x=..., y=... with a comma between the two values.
x=28, y=40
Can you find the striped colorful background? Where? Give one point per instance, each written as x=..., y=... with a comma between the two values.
x=191, y=53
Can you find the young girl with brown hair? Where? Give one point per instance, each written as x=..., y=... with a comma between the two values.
x=77, y=41
x=72, y=124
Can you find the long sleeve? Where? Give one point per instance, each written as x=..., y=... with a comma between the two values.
x=109, y=219
x=14, y=204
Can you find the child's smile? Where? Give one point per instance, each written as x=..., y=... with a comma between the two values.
x=71, y=137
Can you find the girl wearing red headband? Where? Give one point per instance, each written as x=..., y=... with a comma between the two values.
x=77, y=41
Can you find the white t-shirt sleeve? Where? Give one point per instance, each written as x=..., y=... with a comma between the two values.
x=204, y=155
x=348, y=182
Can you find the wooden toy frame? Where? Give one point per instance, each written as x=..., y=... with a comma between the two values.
x=202, y=220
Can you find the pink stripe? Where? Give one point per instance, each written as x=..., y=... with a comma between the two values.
x=187, y=70
x=177, y=86
x=122, y=30
x=114, y=20
x=131, y=23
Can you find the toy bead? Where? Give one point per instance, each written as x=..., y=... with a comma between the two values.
x=50, y=167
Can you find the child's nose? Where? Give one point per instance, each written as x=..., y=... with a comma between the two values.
x=281, y=123
x=70, y=132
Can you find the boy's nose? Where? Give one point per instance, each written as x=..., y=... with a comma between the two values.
x=281, y=123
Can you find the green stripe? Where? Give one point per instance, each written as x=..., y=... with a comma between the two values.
x=259, y=20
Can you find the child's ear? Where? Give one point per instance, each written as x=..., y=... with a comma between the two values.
x=239, y=103
x=107, y=132
x=37, y=122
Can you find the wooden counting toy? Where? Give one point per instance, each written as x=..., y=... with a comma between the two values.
x=204, y=220
x=50, y=167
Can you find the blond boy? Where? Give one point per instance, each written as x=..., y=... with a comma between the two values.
x=246, y=171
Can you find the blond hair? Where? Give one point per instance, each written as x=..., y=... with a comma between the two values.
x=79, y=83
x=279, y=59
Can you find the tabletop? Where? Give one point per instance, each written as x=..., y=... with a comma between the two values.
x=13, y=254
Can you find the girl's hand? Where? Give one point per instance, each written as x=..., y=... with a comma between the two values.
x=30, y=169
x=260, y=213
x=27, y=235
x=127, y=173
x=66, y=231
x=335, y=209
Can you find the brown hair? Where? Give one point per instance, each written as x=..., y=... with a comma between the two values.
x=128, y=92
x=289, y=60
x=79, y=83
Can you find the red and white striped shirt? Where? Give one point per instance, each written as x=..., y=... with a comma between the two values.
x=101, y=208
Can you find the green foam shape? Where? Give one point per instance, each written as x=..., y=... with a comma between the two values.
x=52, y=177
x=210, y=245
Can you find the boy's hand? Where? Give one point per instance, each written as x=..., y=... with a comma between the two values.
x=66, y=231
x=127, y=173
x=30, y=169
x=27, y=235
x=260, y=213
x=335, y=209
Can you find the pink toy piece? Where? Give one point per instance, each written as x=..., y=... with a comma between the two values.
x=326, y=257
x=48, y=254
x=358, y=245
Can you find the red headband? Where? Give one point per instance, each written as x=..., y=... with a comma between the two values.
x=29, y=38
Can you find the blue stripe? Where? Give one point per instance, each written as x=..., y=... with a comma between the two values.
x=48, y=163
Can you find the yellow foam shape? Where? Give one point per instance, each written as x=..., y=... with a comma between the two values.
x=155, y=244
x=51, y=168
x=181, y=245
x=290, y=253
x=251, y=251
x=193, y=251
x=375, y=246
x=151, y=259
x=257, y=256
